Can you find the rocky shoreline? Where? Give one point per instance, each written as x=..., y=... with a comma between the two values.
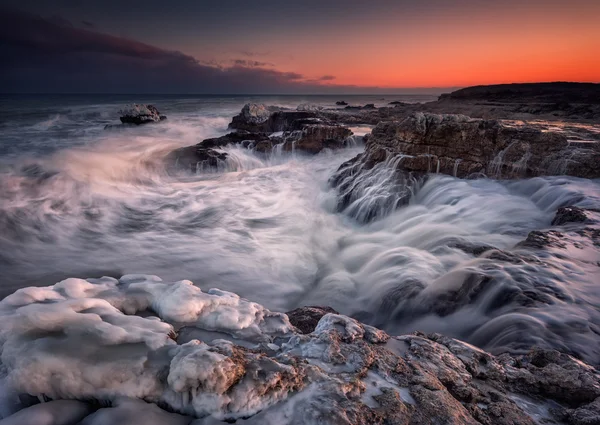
x=139, y=350
x=169, y=353
x=431, y=137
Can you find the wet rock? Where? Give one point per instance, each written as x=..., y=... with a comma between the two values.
x=341, y=103
x=543, y=239
x=260, y=118
x=313, y=138
x=306, y=318
x=257, y=368
x=252, y=114
x=195, y=158
x=462, y=146
x=569, y=215
x=359, y=108
x=140, y=114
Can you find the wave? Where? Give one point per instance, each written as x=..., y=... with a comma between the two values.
x=267, y=228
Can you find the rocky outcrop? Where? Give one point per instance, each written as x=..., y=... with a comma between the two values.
x=341, y=103
x=368, y=106
x=566, y=215
x=553, y=93
x=307, y=318
x=240, y=361
x=140, y=114
x=264, y=130
x=463, y=147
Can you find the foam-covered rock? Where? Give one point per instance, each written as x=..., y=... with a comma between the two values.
x=106, y=351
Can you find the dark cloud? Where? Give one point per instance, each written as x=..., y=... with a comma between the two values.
x=88, y=24
x=251, y=63
x=50, y=55
x=42, y=55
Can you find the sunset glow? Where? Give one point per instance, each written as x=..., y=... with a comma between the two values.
x=323, y=46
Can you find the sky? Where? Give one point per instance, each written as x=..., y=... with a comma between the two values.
x=285, y=46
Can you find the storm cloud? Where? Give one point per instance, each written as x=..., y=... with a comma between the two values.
x=51, y=55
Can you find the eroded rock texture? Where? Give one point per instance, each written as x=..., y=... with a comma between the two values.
x=141, y=114
x=115, y=342
x=461, y=146
x=264, y=130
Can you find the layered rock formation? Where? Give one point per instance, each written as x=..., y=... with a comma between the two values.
x=217, y=357
x=461, y=146
x=141, y=114
x=263, y=130
x=403, y=152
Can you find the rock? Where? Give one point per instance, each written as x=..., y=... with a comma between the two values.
x=306, y=318
x=255, y=114
x=367, y=106
x=140, y=114
x=569, y=215
x=543, y=239
x=341, y=103
x=309, y=107
x=313, y=138
x=260, y=118
x=558, y=93
x=195, y=158
x=397, y=102
x=464, y=147
x=243, y=362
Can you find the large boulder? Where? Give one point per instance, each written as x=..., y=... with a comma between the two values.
x=260, y=118
x=140, y=114
x=264, y=130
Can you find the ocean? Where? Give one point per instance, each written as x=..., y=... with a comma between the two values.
x=83, y=196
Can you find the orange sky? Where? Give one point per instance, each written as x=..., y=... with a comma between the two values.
x=365, y=43
x=487, y=43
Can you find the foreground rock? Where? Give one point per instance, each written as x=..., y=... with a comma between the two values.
x=116, y=342
x=140, y=114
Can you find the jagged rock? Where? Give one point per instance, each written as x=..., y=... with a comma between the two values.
x=244, y=362
x=140, y=114
x=359, y=108
x=260, y=118
x=254, y=114
x=569, y=215
x=301, y=131
x=341, y=103
x=195, y=158
x=306, y=318
x=543, y=239
x=464, y=147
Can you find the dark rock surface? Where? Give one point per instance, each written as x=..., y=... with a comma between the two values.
x=260, y=369
x=306, y=318
x=141, y=114
x=341, y=103
x=569, y=215
x=461, y=146
x=262, y=129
